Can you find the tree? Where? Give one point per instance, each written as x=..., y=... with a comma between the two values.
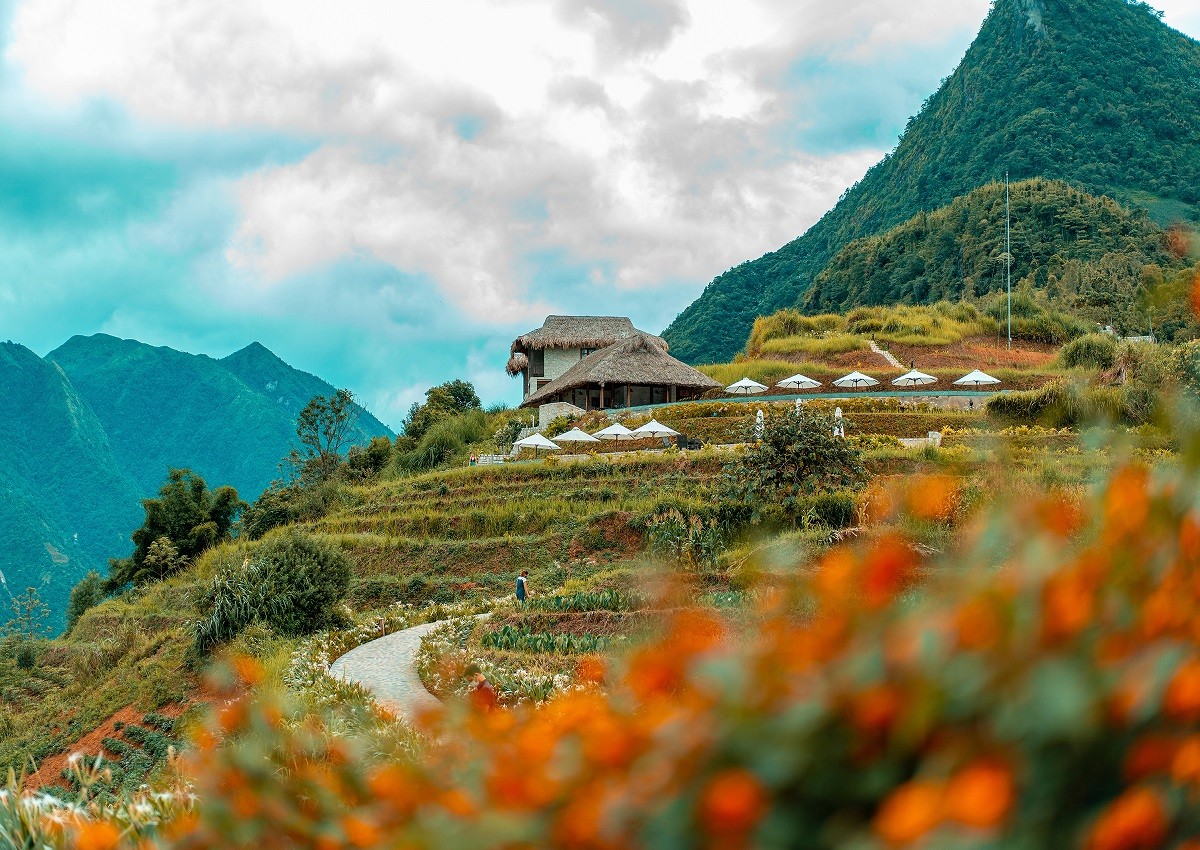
x=29, y=615
x=189, y=516
x=441, y=402
x=796, y=456
x=86, y=594
x=323, y=428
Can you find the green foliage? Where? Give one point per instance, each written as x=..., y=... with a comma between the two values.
x=443, y=401
x=323, y=428
x=523, y=639
x=308, y=577
x=28, y=616
x=692, y=540
x=1186, y=365
x=87, y=593
x=189, y=516
x=26, y=655
x=608, y=599
x=444, y=440
x=1099, y=94
x=788, y=323
x=1034, y=320
x=1094, y=351
x=363, y=464
x=796, y=456
x=233, y=599
x=942, y=323
x=1060, y=404
x=764, y=371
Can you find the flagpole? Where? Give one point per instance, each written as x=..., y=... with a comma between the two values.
x=1008, y=256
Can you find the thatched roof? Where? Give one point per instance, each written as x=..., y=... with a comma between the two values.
x=517, y=363
x=636, y=360
x=579, y=332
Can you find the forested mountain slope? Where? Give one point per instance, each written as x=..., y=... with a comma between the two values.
x=1100, y=93
x=68, y=505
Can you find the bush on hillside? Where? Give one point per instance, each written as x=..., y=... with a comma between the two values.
x=87, y=593
x=1093, y=351
x=366, y=462
x=445, y=440
x=283, y=504
x=293, y=583
x=1034, y=321
x=1063, y=405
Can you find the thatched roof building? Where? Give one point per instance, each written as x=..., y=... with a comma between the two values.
x=631, y=372
x=572, y=333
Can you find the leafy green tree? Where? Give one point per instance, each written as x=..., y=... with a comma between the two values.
x=308, y=578
x=452, y=398
x=324, y=428
x=87, y=593
x=191, y=517
x=28, y=617
x=796, y=456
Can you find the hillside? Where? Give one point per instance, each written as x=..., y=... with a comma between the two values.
x=69, y=506
x=164, y=408
x=1062, y=238
x=1096, y=92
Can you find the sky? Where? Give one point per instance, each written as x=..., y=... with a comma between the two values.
x=386, y=194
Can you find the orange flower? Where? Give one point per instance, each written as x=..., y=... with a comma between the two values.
x=233, y=716
x=733, y=803
x=1189, y=533
x=835, y=575
x=1181, y=701
x=1185, y=768
x=933, y=497
x=888, y=567
x=1128, y=503
x=591, y=669
x=360, y=832
x=912, y=810
x=1150, y=756
x=392, y=784
x=97, y=835
x=1068, y=602
x=248, y=670
x=980, y=795
x=1060, y=514
x=877, y=709
x=978, y=624
x=1137, y=820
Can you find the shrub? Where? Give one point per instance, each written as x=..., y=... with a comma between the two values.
x=233, y=599
x=692, y=540
x=26, y=655
x=832, y=510
x=307, y=578
x=87, y=593
x=1094, y=351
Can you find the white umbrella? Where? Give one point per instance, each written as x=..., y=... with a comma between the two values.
x=976, y=379
x=536, y=441
x=746, y=387
x=855, y=380
x=914, y=379
x=654, y=428
x=576, y=435
x=615, y=431
x=798, y=382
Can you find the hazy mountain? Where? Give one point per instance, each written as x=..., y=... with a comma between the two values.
x=1100, y=93
x=68, y=505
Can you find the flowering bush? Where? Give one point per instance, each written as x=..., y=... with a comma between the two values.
x=1037, y=685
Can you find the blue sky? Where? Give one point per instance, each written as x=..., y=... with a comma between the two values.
x=385, y=194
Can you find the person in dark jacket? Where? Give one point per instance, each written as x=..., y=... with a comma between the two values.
x=522, y=586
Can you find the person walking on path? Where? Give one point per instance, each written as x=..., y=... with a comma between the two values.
x=522, y=590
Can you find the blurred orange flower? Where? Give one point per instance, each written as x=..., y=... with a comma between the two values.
x=1128, y=502
x=978, y=624
x=1137, y=820
x=912, y=810
x=887, y=569
x=97, y=835
x=1150, y=756
x=733, y=803
x=933, y=497
x=1181, y=701
x=1185, y=767
x=1068, y=603
x=981, y=795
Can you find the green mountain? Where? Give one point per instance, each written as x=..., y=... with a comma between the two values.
x=1099, y=93
x=1081, y=247
x=230, y=420
x=291, y=389
x=68, y=504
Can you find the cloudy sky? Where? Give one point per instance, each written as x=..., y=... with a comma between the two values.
x=386, y=193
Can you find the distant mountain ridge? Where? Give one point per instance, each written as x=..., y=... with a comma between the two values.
x=1099, y=93
x=99, y=421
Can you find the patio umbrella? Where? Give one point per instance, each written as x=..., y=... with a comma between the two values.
x=615, y=431
x=536, y=441
x=855, y=380
x=576, y=435
x=976, y=379
x=798, y=382
x=654, y=428
x=746, y=387
x=914, y=379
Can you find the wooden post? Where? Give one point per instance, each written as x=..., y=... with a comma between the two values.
x=602, y=395
x=627, y=391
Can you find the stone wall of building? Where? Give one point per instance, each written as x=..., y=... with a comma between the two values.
x=547, y=413
x=559, y=360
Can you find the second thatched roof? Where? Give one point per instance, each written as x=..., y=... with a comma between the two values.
x=579, y=332
x=639, y=359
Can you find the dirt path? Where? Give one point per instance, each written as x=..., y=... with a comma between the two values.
x=886, y=355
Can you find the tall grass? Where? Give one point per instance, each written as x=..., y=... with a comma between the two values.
x=764, y=371
x=943, y=323
x=814, y=345
x=791, y=323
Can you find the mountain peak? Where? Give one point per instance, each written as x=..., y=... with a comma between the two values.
x=1098, y=93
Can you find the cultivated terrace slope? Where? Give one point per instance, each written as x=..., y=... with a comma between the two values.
x=1099, y=93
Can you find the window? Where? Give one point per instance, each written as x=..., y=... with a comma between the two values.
x=537, y=363
x=584, y=352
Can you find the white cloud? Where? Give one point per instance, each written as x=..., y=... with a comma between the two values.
x=644, y=140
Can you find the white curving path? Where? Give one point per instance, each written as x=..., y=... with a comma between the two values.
x=387, y=667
